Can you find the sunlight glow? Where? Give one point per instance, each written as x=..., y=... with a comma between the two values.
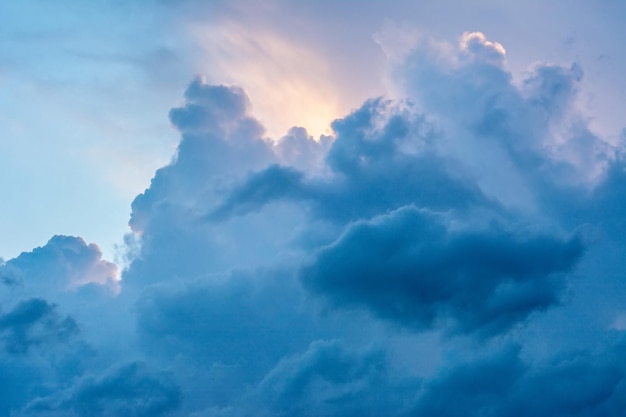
x=287, y=84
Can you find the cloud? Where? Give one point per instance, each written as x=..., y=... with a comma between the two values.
x=413, y=268
x=237, y=320
x=406, y=220
x=220, y=143
x=272, y=184
x=130, y=390
x=476, y=45
x=322, y=277
x=536, y=122
x=571, y=384
x=32, y=323
x=65, y=263
x=210, y=108
x=382, y=158
x=69, y=273
x=477, y=387
x=330, y=379
x=8, y=275
x=301, y=151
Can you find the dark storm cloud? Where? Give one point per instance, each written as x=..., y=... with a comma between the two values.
x=412, y=268
x=32, y=323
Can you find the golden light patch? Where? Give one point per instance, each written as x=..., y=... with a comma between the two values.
x=479, y=37
x=288, y=85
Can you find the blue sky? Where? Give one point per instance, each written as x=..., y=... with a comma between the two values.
x=330, y=208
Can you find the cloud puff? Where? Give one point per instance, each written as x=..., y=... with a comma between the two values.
x=65, y=263
x=8, y=276
x=572, y=384
x=412, y=268
x=300, y=150
x=220, y=143
x=131, y=390
x=220, y=138
x=238, y=320
x=32, y=323
x=383, y=157
x=476, y=45
x=329, y=378
x=535, y=122
x=272, y=184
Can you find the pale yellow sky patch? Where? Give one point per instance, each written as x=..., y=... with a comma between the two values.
x=288, y=84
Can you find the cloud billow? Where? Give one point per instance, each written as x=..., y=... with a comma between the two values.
x=298, y=277
x=388, y=217
x=64, y=263
x=131, y=390
x=32, y=323
x=382, y=158
x=408, y=267
x=572, y=384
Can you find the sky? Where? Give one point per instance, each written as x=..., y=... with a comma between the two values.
x=298, y=208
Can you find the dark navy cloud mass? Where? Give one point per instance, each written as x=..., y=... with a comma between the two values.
x=410, y=268
x=456, y=252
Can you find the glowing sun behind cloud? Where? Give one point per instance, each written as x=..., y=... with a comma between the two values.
x=288, y=84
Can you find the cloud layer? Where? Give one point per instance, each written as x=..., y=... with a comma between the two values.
x=427, y=258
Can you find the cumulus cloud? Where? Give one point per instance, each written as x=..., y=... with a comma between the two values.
x=65, y=263
x=476, y=45
x=238, y=320
x=382, y=158
x=300, y=150
x=571, y=384
x=412, y=268
x=536, y=123
x=301, y=276
x=32, y=323
x=330, y=379
x=220, y=143
x=404, y=214
x=131, y=390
